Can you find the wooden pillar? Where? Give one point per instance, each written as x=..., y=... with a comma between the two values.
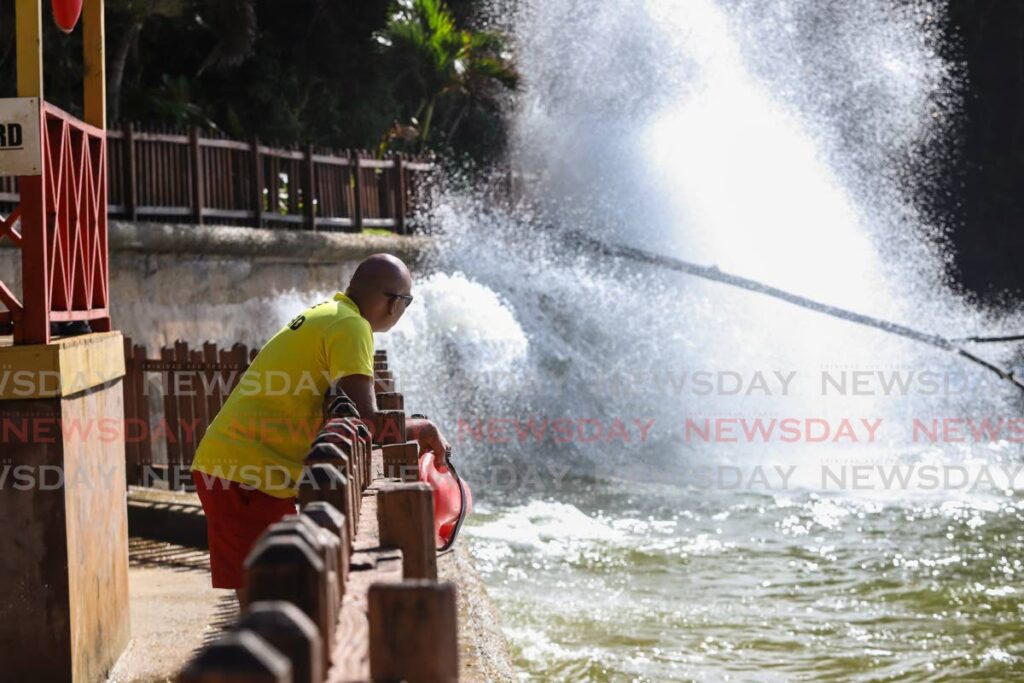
x=95, y=71
x=195, y=158
x=348, y=430
x=285, y=628
x=405, y=515
x=401, y=460
x=413, y=632
x=330, y=518
x=325, y=545
x=131, y=188
x=400, y=203
x=64, y=541
x=322, y=484
x=357, y=194
x=309, y=188
x=237, y=657
x=390, y=400
x=257, y=182
x=29, y=27
x=366, y=448
x=34, y=327
x=286, y=568
x=390, y=426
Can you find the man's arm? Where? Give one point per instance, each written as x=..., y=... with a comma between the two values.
x=359, y=388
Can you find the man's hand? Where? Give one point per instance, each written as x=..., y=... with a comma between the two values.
x=430, y=439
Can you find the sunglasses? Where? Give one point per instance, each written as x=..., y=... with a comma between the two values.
x=407, y=298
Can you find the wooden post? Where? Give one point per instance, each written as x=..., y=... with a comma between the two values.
x=330, y=518
x=332, y=456
x=142, y=410
x=257, y=182
x=28, y=18
x=348, y=428
x=405, y=515
x=285, y=628
x=390, y=400
x=398, y=187
x=237, y=657
x=401, y=460
x=309, y=188
x=34, y=327
x=325, y=545
x=357, y=194
x=196, y=167
x=340, y=407
x=413, y=632
x=214, y=399
x=173, y=440
x=390, y=426
x=131, y=447
x=186, y=414
x=286, y=568
x=200, y=413
x=329, y=447
x=131, y=190
x=94, y=62
x=364, y=436
x=340, y=441
x=323, y=482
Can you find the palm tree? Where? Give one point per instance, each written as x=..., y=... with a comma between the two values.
x=444, y=61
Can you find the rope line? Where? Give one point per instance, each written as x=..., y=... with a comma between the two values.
x=714, y=274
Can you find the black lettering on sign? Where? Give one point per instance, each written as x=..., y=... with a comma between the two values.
x=10, y=135
x=297, y=323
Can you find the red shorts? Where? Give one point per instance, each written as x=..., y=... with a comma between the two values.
x=236, y=516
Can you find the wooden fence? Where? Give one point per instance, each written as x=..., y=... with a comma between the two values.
x=348, y=589
x=185, y=176
x=170, y=401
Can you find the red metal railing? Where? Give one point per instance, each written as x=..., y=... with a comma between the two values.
x=63, y=233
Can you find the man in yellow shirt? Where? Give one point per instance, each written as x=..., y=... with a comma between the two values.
x=249, y=463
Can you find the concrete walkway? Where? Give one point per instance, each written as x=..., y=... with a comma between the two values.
x=174, y=611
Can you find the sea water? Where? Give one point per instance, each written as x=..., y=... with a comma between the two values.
x=635, y=518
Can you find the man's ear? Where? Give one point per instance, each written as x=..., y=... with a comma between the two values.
x=392, y=305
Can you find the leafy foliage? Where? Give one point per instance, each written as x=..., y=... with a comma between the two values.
x=293, y=72
x=441, y=64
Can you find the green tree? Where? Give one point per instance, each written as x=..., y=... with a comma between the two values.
x=442, y=63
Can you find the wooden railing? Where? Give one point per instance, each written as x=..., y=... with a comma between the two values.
x=348, y=589
x=186, y=176
x=168, y=404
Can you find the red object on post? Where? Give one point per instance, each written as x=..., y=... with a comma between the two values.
x=66, y=13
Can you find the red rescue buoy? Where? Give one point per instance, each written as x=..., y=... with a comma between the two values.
x=453, y=500
x=66, y=13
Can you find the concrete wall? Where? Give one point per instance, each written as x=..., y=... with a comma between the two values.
x=226, y=284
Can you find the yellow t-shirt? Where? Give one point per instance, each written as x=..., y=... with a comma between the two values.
x=266, y=426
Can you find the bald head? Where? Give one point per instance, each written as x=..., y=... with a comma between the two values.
x=375, y=287
x=381, y=271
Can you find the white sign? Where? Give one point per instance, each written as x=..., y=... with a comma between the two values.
x=20, y=151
